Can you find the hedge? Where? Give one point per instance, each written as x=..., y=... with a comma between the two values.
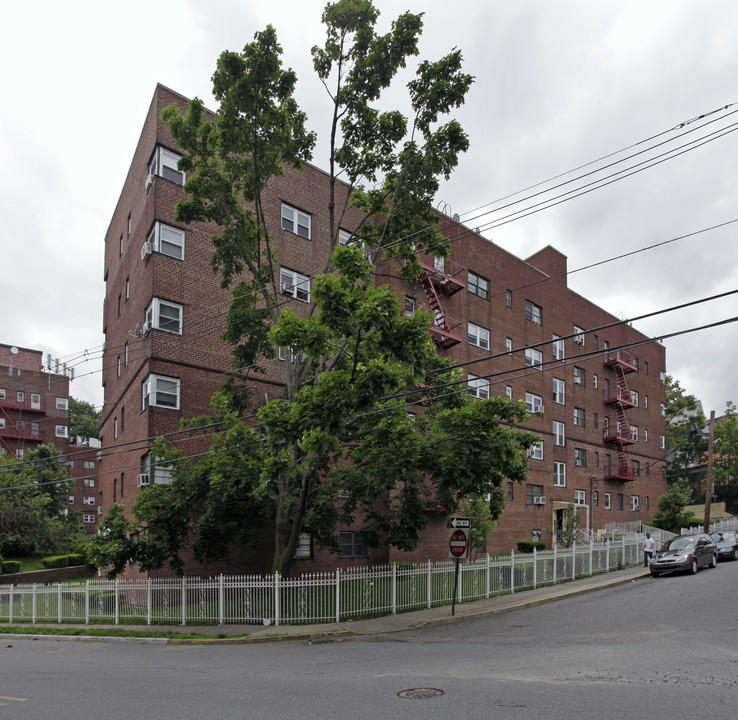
x=527, y=546
x=11, y=566
x=55, y=561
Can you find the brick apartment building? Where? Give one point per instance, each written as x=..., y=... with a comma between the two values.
x=595, y=395
x=34, y=410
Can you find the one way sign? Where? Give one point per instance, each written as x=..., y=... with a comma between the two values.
x=458, y=522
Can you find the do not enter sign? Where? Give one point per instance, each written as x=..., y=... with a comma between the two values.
x=458, y=544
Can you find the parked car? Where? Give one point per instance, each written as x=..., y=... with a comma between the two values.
x=726, y=543
x=685, y=552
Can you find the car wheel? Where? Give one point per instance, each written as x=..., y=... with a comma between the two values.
x=693, y=568
x=734, y=555
x=654, y=574
x=713, y=562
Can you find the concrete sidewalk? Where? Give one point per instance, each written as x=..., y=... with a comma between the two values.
x=232, y=634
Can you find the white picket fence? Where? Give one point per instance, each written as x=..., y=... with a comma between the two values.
x=338, y=596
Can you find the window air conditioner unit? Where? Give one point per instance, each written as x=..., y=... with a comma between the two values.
x=538, y=409
x=287, y=289
x=149, y=180
x=146, y=250
x=142, y=480
x=145, y=328
x=539, y=500
x=99, y=509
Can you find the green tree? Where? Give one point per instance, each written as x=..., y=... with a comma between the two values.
x=33, y=501
x=725, y=454
x=686, y=438
x=84, y=420
x=671, y=515
x=342, y=422
x=568, y=533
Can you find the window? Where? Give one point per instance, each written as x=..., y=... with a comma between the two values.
x=119, y=297
x=478, y=285
x=508, y=345
x=508, y=391
x=348, y=238
x=595, y=342
x=595, y=381
x=352, y=545
x=87, y=518
x=607, y=501
x=478, y=336
x=579, y=335
x=580, y=497
x=62, y=403
x=61, y=431
x=89, y=482
x=579, y=376
x=296, y=221
x=662, y=442
x=294, y=284
x=634, y=432
x=125, y=354
x=2, y=393
x=662, y=409
x=634, y=397
x=595, y=420
x=510, y=494
x=559, y=391
x=536, y=535
x=115, y=428
x=409, y=305
x=559, y=433
x=161, y=391
x=645, y=367
x=19, y=453
x=559, y=474
x=71, y=499
x=158, y=474
x=304, y=547
x=535, y=451
x=647, y=502
x=597, y=459
x=129, y=225
x=122, y=484
x=164, y=164
x=89, y=464
x=20, y=396
x=117, y=366
x=645, y=401
x=580, y=457
x=533, y=358
x=88, y=500
x=2, y=423
x=662, y=376
x=35, y=401
x=636, y=467
x=122, y=419
x=580, y=417
x=533, y=312
x=558, y=348
x=533, y=403
x=167, y=240
x=608, y=465
x=478, y=387
x=120, y=253
x=36, y=431
x=596, y=498
x=648, y=474
x=128, y=289
x=508, y=298
x=164, y=315
x=621, y=498
x=532, y=491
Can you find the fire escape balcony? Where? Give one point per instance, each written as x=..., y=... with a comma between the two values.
x=622, y=396
x=621, y=471
x=447, y=276
x=619, y=434
x=13, y=433
x=627, y=362
x=443, y=331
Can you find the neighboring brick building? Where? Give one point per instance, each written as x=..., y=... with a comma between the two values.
x=596, y=406
x=82, y=462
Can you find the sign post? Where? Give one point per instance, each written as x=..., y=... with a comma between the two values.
x=458, y=548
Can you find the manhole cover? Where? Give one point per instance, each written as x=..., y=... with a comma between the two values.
x=420, y=693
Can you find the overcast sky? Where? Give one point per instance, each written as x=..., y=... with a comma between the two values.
x=558, y=85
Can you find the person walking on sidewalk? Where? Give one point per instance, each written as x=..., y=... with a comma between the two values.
x=647, y=550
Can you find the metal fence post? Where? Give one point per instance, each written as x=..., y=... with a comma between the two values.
x=591, y=553
x=487, y=578
x=394, y=588
x=512, y=572
x=338, y=595
x=87, y=603
x=555, y=562
x=221, y=600
x=574, y=560
x=10, y=605
x=624, y=563
x=117, y=602
x=33, y=604
x=184, y=601
x=607, y=555
x=276, y=598
x=149, y=601
x=430, y=586
x=59, y=602
x=535, y=567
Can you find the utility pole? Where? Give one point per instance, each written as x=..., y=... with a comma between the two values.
x=708, y=489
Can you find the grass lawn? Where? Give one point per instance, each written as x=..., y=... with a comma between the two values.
x=28, y=564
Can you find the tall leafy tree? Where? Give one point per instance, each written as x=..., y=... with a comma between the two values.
x=671, y=515
x=686, y=430
x=84, y=419
x=725, y=467
x=342, y=423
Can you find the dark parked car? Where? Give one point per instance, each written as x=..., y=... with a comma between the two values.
x=726, y=543
x=685, y=552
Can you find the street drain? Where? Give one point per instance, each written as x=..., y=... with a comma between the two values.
x=420, y=693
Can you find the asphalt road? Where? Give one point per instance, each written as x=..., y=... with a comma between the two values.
x=654, y=648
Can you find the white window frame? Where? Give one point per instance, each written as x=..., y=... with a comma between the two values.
x=477, y=285
x=508, y=391
x=635, y=503
x=559, y=433
x=159, y=321
x=634, y=432
x=164, y=164
x=20, y=396
x=19, y=453
x=62, y=403
x=156, y=388
x=559, y=474
x=89, y=464
x=89, y=518
x=535, y=451
x=533, y=358
x=296, y=221
x=158, y=474
x=167, y=240
x=662, y=442
x=558, y=348
x=595, y=381
x=578, y=336
x=61, y=431
x=88, y=500
x=580, y=457
x=35, y=401
x=533, y=312
x=607, y=501
x=2, y=423
x=580, y=376
x=478, y=335
x=559, y=391
x=533, y=401
x=2, y=393
x=580, y=417
x=508, y=345
x=294, y=284
x=478, y=387
x=634, y=397
x=304, y=547
x=580, y=497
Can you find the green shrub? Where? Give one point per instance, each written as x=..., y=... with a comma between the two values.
x=11, y=566
x=404, y=564
x=75, y=559
x=527, y=546
x=55, y=561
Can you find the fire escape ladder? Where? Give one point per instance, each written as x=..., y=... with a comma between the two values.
x=433, y=300
x=623, y=389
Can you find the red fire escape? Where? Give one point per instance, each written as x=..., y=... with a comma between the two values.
x=621, y=399
x=442, y=278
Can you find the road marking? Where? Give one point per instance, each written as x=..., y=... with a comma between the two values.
x=3, y=697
